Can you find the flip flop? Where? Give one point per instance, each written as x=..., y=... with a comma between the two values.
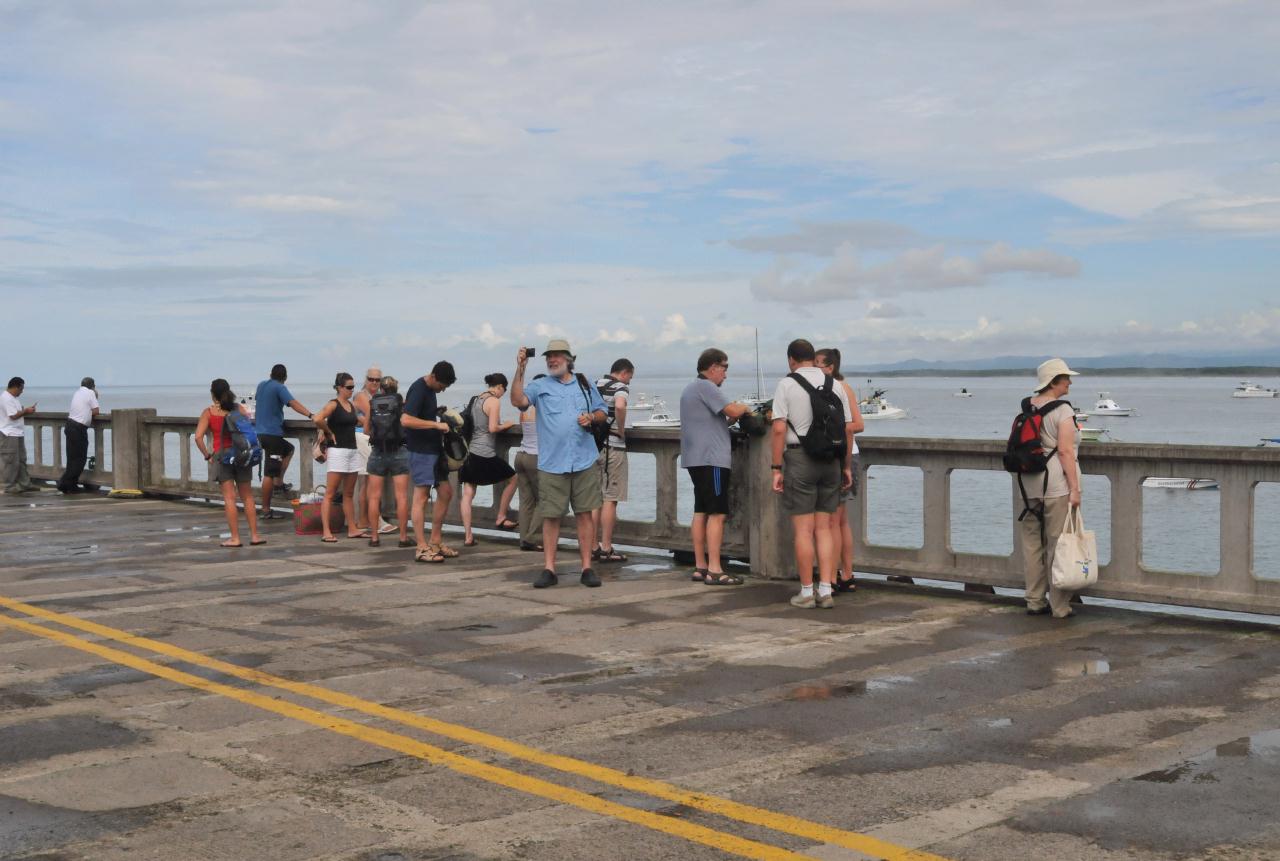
x=364, y=534
x=329, y=540
x=506, y=524
x=374, y=542
x=260, y=541
x=406, y=543
x=722, y=579
x=229, y=544
x=611, y=555
x=387, y=528
x=472, y=543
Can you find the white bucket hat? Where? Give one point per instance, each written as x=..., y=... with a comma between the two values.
x=1050, y=369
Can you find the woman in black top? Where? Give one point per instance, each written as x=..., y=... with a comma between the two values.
x=337, y=422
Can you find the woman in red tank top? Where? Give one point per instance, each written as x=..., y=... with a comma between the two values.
x=211, y=438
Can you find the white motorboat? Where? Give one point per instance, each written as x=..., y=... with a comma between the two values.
x=639, y=409
x=1107, y=407
x=878, y=407
x=1247, y=389
x=660, y=418
x=963, y=393
x=1181, y=483
x=1275, y=440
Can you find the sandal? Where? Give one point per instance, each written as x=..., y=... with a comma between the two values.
x=374, y=542
x=845, y=585
x=406, y=543
x=364, y=534
x=258, y=543
x=229, y=544
x=329, y=539
x=428, y=555
x=699, y=575
x=611, y=555
x=472, y=543
x=506, y=524
x=445, y=550
x=720, y=578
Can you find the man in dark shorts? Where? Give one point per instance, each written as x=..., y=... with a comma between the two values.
x=270, y=400
x=423, y=437
x=706, y=452
x=810, y=486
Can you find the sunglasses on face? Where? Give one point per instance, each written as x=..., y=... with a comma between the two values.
x=349, y=386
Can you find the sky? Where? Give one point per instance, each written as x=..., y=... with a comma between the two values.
x=200, y=189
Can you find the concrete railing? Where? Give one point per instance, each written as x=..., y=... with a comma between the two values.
x=759, y=531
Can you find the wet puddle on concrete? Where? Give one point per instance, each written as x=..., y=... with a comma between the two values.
x=1077, y=669
x=1262, y=746
x=818, y=693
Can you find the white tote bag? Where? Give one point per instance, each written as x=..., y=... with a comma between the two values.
x=1075, y=559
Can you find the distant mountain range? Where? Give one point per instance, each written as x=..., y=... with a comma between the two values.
x=1122, y=361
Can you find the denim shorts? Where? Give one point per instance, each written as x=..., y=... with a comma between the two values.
x=385, y=463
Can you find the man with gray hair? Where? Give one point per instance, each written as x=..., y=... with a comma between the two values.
x=84, y=408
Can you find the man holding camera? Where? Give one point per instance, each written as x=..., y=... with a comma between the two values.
x=566, y=406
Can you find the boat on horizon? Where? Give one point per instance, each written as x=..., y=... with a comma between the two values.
x=1247, y=389
x=963, y=393
x=1107, y=407
x=660, y=418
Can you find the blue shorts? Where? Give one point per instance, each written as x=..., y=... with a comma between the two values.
x=424, y=469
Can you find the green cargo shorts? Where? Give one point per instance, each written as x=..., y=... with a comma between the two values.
x=557, y=490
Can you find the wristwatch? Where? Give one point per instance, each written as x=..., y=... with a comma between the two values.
x=776, y=466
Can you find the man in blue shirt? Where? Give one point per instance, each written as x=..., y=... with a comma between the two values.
x=423, y=437
x=270, y=400
x=567, y=405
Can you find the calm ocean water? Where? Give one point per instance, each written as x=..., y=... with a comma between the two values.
x=1180, y=528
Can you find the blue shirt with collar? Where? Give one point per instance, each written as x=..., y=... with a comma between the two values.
x=563, y=444
x=269, y=403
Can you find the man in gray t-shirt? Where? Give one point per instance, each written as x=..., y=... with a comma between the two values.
x=705, y=451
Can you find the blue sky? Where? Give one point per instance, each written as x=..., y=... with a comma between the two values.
x=193, y=189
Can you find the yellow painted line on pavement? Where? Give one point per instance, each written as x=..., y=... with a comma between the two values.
x=406, y=745
x=781, y=822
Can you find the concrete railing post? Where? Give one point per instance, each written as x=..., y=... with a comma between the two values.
x=771, y=538
x=130, y=449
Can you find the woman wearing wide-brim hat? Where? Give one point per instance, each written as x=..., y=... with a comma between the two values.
x=1052, y=495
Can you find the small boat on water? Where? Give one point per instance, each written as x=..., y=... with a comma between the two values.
x=1247, y=389
x=1107, y=407
x=639, y=409
x=963, y=393
x=1092, y=434
x=878, y=407
x=660, y=418
x=1181, y=483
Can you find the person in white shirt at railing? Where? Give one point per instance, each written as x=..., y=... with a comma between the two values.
x=13, y=439
x=84, y=409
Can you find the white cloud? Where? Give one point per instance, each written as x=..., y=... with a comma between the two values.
x=915, y=270
x=292, y=203
x=1131, y=195
x=674, y=329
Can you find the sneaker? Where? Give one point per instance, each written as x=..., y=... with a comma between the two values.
x=589, y=578
x=545, y=579
x=804, y=602
x=826, y=602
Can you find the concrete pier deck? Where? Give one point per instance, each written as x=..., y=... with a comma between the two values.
x=164, y=698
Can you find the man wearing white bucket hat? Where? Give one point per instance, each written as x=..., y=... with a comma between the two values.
x=567, y=406
x=1050, y=498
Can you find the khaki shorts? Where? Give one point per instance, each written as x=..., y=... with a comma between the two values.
x=558, y=490
x=365, y=448
x=613, y=473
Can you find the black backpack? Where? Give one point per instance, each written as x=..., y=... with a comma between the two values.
x=385, y=431
x=825, y=439
x=599, y=431
x=1024, y=453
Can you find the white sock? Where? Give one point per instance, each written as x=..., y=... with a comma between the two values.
x=824, y=589
x=806, y=591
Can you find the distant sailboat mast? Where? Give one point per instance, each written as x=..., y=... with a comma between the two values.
x=759, y=378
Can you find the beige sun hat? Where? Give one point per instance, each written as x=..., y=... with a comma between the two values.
x=559, y=345
x=1050, y=369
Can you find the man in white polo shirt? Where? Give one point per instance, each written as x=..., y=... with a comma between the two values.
x=84, y=408
x=13, y=439
x=810, y=484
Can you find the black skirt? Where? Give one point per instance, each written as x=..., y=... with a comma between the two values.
x=484, y=470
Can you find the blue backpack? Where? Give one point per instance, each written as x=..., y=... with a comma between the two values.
x=245, y=450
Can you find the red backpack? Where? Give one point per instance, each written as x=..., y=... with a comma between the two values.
x=1025, y=454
